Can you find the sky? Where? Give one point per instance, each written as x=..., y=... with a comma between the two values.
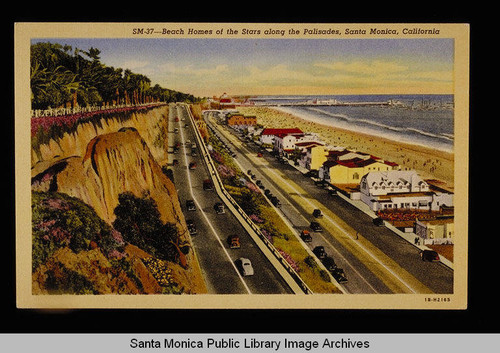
x=208, y=67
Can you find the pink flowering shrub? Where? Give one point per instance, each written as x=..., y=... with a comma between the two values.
x=256, y=219
x=59, y=220
x=267, y=235
x=225, y=172
x=47, y=122
x=290, y=261
x=252, y=187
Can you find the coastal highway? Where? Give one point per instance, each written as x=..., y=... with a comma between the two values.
x=374, y=258
x=217, y=260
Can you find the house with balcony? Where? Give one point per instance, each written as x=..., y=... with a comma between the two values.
x=285, y=144
x=401, y=189
x=313, y=155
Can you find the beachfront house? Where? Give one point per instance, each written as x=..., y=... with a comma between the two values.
x=267, y=136
x=314, y=154
x=349, y=167
x=285, y=144
x=240, y=121
x=400, y=189
x=435, y=231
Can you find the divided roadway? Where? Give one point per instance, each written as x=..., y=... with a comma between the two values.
x=374, y=258
x=217, y=260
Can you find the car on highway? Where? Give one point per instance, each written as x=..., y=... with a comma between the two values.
x=245, y=266
x=208, y=185
x=274, y=200
x=191, y=227
x=306, y=236
x=320, y=252
x=315, y=226
x=429, y=255
x=379, y=222
x=219, y=208
x=233, y=241
x=317, y=213
x=190, y=205
x=339, y=275
x=329, y=263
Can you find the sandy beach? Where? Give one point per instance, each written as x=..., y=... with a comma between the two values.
x=430, y=163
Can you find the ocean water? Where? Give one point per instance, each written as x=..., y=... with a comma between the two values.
x=426, y=120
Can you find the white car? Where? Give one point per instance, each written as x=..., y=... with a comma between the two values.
x=246, y=267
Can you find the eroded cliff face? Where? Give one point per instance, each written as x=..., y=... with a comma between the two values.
x=151, y=125
x=99, y=170
x=112, y=164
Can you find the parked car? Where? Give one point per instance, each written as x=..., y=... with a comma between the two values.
x=306, y=236
x=275, y=201
x=259, y=154
x=320, y=252
x=379, y=222
x=339, y=275
x=315, y=227
x=234, y=241
x=192, y=165
x=175, y=162
x=208, y=185
x=429, y=255
x=329, y=263
x=317, y=213
x=219, y=208
x=245, y=266
x=190, y=205
x=191, y=227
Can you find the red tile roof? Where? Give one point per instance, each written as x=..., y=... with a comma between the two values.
x=281, y=131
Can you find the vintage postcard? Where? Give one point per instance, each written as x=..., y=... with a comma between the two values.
x=241, y=165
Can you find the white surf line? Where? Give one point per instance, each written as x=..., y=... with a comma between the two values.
x=206, y=218
x=301, y=214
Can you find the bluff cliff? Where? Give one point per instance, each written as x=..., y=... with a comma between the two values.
x=111, y=163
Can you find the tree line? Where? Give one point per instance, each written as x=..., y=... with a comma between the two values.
x=63, y=76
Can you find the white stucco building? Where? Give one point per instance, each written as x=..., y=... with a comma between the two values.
x=405, y=189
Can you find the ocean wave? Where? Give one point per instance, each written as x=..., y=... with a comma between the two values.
x=444, y=136
x=413, y=135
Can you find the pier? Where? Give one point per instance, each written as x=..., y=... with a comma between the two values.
x=322, y=104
